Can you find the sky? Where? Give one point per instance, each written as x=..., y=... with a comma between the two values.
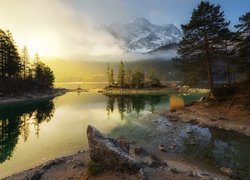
x=71, y=28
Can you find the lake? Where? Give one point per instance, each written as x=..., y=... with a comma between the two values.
x=34, y=132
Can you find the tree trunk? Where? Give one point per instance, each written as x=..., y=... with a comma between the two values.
x=228, y=66
x=209, y=69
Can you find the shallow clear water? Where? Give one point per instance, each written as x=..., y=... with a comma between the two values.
x=32, y=133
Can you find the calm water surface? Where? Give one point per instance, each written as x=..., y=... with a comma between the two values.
x=32, y=133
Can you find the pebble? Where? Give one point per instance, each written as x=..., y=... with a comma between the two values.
x=226, y=171
x=174, y=170
x=161, y=147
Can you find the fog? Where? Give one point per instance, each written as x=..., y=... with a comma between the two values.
x=54, y=29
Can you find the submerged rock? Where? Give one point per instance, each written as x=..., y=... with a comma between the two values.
x=148, y=159
x=112, y=154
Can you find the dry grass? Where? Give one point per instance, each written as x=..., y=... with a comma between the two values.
x=176, y=102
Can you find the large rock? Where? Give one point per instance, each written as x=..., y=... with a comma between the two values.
x=110, y=153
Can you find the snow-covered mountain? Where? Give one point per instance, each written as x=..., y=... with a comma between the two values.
x=142, y=36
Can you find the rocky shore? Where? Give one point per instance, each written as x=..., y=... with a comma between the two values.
x=230, y=112
x=32, y=96
x=109, y=158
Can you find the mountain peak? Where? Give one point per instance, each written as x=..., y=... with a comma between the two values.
x=142, y=36
x=141, y=21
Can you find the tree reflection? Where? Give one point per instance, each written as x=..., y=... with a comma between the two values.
x=222, y=149
x=18, y=120
x=129, y=103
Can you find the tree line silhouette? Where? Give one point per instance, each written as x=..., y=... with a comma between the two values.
x=208, y=43
x=17, y=72
x=127, y=78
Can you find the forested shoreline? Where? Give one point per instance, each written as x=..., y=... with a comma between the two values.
x=19, y=73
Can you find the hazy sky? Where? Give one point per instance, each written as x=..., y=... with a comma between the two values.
x=67, y=28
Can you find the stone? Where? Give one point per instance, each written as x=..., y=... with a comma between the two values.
x=148, y=159
x=172, y=110
x=35, y=175
x=124, y=143
x=174, y=170
x=226, y=171
x=140, y=152
x=110, y=153
x=161, y=147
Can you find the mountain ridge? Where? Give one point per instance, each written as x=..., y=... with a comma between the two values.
x=142, y=36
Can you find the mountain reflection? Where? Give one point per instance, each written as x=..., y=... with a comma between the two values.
x=129, y=103
x=18, y=120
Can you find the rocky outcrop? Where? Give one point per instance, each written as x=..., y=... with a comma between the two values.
x=112, y=154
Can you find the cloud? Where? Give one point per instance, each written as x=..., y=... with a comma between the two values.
x=53, y=28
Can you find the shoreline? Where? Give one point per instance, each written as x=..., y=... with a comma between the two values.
x=152, y=91
x=35, y=96
x=227, y=117
x=75, y=167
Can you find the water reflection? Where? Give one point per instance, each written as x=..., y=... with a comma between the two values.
x=129, y=103
x=18, y=121
x=222, y=149
x=21, y=128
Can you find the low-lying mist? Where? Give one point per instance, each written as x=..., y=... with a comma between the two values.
x=95, y=71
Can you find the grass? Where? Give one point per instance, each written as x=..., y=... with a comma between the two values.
x=93, y=168
x=176, y=102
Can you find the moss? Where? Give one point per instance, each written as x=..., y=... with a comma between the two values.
x=93, y=168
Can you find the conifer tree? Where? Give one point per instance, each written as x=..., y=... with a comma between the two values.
x=112, y=81
x=199, y=46
x=228, y=52
x=25, y=61
x=244, y=44
x=110, y=75
x=13, y=58
x=121, y=75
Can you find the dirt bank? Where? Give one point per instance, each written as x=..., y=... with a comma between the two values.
x=232, y=112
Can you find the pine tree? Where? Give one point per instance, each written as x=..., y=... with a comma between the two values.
x=121, y=75
x=138, y=79
x=9, y=58
x=3, y=52
x=227, y=52
x=112, y=81
x=25, y=61
x=110, y=75
x=13, y=58
x=128, y=78
x=154, y=81
x=199, y=46
x=244, y=44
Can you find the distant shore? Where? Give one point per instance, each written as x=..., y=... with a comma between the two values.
x=151, y=91
x=34, y=96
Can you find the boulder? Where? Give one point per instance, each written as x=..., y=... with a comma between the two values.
x=123, y=143
x=112, y=154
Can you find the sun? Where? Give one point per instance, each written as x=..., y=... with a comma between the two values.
x=44, y=43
